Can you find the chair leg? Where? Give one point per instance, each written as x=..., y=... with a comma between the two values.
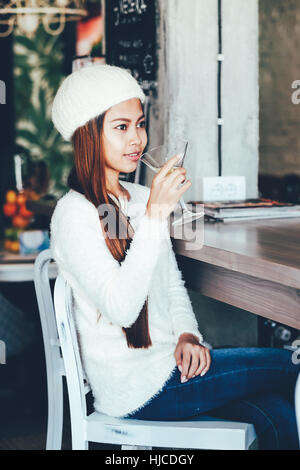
x=126, y=447
x=78, y=444
x=55, y=414
x=79, y=441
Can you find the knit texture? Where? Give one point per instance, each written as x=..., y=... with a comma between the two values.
x=88, y=92
x=122, y=379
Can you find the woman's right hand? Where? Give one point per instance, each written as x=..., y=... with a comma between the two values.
x=165, y=191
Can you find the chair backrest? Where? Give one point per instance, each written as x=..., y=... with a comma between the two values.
x=61, y=346
x=70, y=350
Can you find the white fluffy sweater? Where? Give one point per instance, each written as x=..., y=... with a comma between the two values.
x=122, y=379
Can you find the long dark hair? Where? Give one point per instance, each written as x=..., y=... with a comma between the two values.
x=88, y=177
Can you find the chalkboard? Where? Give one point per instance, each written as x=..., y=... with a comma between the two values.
x=130, y=30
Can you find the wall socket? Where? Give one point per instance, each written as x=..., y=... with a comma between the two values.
x=222, y=188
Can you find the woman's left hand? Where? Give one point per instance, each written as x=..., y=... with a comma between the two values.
x=191, y=357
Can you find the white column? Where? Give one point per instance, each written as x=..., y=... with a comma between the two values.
x=186, y=100
x=240, y=91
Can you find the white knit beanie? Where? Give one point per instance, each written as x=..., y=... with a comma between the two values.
x=89, y=92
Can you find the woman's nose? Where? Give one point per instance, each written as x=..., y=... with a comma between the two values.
x=135, y=138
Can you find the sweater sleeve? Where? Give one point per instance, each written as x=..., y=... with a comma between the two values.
x=182, y=314
x=79, y=248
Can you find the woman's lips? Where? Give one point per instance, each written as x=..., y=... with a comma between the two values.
x=133, y=156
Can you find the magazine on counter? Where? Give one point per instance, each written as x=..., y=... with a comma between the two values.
x=249, y=208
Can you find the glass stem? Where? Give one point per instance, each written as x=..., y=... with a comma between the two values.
x=183, y=206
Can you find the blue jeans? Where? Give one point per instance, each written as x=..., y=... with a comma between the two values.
x=252, y=385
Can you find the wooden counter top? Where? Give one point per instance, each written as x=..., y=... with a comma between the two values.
x=267, y=249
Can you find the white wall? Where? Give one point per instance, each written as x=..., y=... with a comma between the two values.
x=240, y=91
x=186, y=101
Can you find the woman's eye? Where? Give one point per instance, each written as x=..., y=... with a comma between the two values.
x=123, y=127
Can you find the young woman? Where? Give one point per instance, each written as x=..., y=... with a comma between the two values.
x=140, y=345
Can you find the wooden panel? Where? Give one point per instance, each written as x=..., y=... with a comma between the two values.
x=268, y=299
x=268, y=250
x=273, y=240
x=248, y=265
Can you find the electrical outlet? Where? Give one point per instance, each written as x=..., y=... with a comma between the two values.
x=222, y=188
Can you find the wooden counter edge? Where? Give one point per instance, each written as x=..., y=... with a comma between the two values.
x=252, y=266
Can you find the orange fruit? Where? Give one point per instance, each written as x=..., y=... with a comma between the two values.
x=20, y=222
x=24, y=212
x=9, y=209
x=21, y=199
x=15, y=247
x=11, y=196
x=7, y=244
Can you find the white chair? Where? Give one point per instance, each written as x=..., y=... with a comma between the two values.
x=63, y=358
